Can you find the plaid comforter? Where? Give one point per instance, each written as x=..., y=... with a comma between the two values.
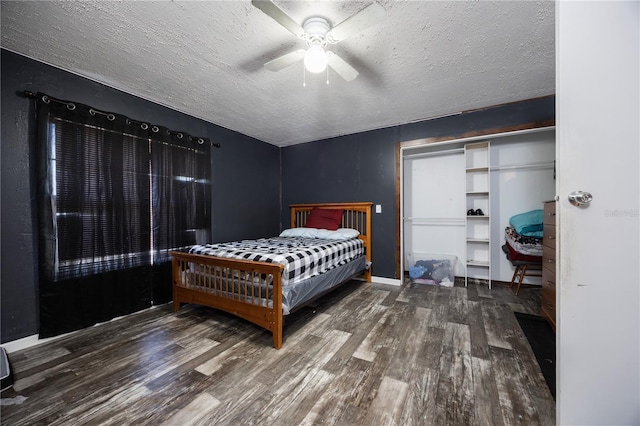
x=302, y=257
x=529, y=246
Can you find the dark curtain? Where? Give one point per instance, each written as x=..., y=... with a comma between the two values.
x=181, y=178
x=103, y=236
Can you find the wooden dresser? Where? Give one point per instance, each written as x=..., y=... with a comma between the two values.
x=549, y=264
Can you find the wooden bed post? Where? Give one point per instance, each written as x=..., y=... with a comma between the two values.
x=277, y=312
x=175, y=277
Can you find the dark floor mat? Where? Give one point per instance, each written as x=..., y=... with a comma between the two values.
x=542, y=340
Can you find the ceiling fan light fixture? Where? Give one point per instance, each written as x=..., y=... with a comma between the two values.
x=317, y=32
x=315, y=60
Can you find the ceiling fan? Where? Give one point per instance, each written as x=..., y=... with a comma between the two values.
x=318, y=33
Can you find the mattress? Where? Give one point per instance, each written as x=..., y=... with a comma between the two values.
x=303, y=258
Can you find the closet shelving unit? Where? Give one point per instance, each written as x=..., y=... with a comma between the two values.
x=478, y=227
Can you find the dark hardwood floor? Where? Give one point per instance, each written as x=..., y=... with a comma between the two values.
x=367, y=354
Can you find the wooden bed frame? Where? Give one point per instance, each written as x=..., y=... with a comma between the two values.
x=203, y=280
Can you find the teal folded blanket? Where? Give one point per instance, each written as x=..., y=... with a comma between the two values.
x=529, y=223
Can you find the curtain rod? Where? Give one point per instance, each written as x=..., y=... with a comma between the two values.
x=110, y=116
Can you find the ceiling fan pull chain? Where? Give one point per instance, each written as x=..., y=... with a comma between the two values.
x=304, y=76
x=327, y=76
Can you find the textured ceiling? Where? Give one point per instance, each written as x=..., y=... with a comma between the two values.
x=425, y=59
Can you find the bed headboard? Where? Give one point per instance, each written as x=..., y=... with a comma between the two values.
x=355, y=215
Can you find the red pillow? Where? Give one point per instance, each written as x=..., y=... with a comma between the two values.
x=324, y=219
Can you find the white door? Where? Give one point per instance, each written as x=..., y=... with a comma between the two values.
x=434, y=207
x=597, y=74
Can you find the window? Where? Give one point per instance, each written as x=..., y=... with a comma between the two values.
x=101, y=199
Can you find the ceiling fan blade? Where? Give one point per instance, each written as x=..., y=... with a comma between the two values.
x=341, y=67
x=285, y=60
x=356, y=23
x=270, y=9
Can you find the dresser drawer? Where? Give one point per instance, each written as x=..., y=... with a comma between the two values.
x=549, y=295
x=549, y=298
x=548, y=307
x=549, y=257
x=549, y=236
x=549, y=313
x=549, y=213
x=548, y=281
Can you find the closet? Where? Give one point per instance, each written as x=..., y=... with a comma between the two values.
x=457, y=197
x=434, y=222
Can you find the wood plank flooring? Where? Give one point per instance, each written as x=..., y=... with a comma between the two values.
x=367, y=354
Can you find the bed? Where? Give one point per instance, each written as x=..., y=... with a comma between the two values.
x=264, y=288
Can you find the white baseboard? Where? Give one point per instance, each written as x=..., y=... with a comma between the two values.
x=383, y=280
x=28, y=342
x=33, y=340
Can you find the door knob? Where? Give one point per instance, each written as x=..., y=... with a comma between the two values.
x=580, y=198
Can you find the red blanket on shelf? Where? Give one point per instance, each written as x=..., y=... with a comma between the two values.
x=514, y=255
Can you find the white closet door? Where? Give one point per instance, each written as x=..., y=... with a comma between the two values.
x=434, y=207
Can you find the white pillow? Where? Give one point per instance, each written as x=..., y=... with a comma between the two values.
x=325, y=234
x=300, y=232
x=338, y=234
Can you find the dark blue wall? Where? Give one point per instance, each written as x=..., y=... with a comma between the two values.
x=246, y=177
x=361, y=167
x=248, y=180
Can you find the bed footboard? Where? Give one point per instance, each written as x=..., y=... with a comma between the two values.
x=247, y=289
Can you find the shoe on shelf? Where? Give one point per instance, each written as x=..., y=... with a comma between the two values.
x=479, y=213
x=471, y=212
